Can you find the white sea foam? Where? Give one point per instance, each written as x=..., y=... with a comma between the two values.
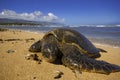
x=35, y=32
x=106, y=45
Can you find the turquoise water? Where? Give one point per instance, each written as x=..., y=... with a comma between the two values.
x=101, y=35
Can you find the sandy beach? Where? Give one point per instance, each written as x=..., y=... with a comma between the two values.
x=14, y=45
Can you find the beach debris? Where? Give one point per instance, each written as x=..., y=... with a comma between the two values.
x=18, y=74
x=31, y=56
x=34, y=77
x=58, y=74
x=13, y=32
x=3, y=29
x=10, y=51
x=30, y=39
x=20, y=31
x=39, y=62
x=13, y=40
x=1, y=40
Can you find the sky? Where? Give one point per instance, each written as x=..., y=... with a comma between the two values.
x=71, y=12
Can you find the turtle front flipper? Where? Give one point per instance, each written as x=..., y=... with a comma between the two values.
x=49, y=52
x=49, y=48
x=76, y=61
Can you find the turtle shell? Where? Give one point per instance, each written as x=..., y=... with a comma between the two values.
x=64, y=35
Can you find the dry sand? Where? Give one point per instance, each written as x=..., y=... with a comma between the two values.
x=14, y=66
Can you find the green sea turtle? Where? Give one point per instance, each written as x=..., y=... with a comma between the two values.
x=64, y=35
x=71, y=54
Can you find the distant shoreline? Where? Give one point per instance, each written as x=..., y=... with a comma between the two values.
x=103, y=40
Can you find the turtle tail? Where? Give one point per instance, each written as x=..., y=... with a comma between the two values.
x=82, y=63
x=102, y=50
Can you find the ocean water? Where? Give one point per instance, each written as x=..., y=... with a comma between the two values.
x=100, y=35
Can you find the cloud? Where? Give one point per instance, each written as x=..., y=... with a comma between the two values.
x=50, y=17
x=34, y=16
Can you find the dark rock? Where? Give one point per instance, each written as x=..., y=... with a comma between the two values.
x=10, y=51
x=34, y=77
x=32, y=57
x=58, y=74
x=39, y=62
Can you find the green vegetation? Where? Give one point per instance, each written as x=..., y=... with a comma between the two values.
x=3, y=29
x=21, y=24
x=4, y=21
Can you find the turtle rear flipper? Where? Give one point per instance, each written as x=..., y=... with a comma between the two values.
x=75, y=60
x=83, y=63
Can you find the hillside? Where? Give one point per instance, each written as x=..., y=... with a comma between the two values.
x=6, y=21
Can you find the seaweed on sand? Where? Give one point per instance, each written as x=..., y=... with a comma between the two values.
x=3, y=29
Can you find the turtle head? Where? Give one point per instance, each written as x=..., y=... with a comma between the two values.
x=36, y=47
x=49, y=52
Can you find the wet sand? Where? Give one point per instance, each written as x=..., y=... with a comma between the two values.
x=14, y=45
